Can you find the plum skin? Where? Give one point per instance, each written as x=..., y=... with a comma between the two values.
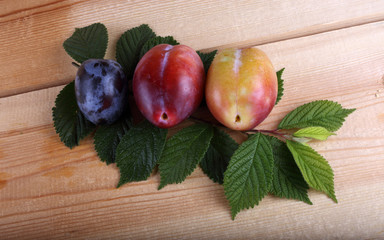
x=241, y=88
x=168, y=84
x=101, y=90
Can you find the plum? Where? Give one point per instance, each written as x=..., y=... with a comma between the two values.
x=241, y=87
x=101, y=90
x=168, y=84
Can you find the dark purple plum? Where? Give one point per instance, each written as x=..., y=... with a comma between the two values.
x=101, y=90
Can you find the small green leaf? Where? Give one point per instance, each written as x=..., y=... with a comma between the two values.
x=156, y=41
x=301, y=140
x=318, y=133
x=129, y=46
x=280, y=85
x=69, y=122
x=182, y=152
x=138, y=152
x=87, y=42
x=249, y=174
x=207, y=58
x=322, y=113
x=314, y=168
x=107, y=137
x=287, y=179
x=217, y=157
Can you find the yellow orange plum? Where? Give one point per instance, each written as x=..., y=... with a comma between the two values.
x=241, y=87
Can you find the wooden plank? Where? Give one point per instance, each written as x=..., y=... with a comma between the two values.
x=32, y=35
x=49, y=190
x=18, y=9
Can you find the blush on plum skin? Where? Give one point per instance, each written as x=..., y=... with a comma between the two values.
x=241, y=88
x=168, y=84
x=101, y=90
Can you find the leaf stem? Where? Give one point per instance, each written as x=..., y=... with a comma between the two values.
x=275, y=132
x=75, y=64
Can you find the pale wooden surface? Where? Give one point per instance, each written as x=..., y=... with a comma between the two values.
x=331, y=50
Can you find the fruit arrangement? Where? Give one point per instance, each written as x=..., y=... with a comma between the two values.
x=167, y=82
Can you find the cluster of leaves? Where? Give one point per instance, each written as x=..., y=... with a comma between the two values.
x=264, y=164
x=285, y=166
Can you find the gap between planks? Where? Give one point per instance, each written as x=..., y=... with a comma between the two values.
x=309, y=31
x=318, y=29
x=299, y=33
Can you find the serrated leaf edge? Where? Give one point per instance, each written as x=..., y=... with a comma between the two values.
x=301, y=133
x=235, y=211
x=330, y=192
x=80, y=120
x=283, y=125
x=77, y=30
x=120, y=183
x=162, y=184
x=210, y=145
x=280, y=85
x=279, y=169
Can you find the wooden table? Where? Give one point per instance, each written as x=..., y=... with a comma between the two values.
x=331, y=50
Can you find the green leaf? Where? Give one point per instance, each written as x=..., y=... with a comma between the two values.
x=156, y=41
x=129, y=46
x=249, y=175
x=138, y=152
x=318, y=133
x=217, y=157
x=207, y=58
x=280, y=85
x=314, y=168
x=301, y=140
x=69, y=122
x=322, y=113
x=87, y=42
x=182, y=152
x=287, y=179
x=107, y=137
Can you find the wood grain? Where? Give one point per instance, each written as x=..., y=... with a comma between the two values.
x=32, y=33
x=49, y=191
